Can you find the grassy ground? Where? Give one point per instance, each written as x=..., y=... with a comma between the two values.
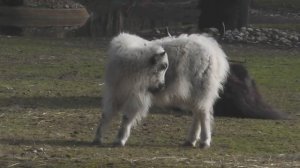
x=50, y=93
x=277, y=4
x=285, y=21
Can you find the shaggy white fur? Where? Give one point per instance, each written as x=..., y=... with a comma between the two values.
x=186, y=71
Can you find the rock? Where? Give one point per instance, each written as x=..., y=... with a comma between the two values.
x=250, y=29
x=250, y=38
x=258, y=39
x=239, y=38
x=269, y=36
x=157, y=31
x=283, y=33
x=228, y=32
x=243, y=29
x=213, y=31
x=275, y=37
x=264, y=38
x=294, y=38
x=235, y=31
x=285, y=41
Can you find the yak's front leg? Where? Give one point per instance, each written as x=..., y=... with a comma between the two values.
x=133, y=112
x=124, y=131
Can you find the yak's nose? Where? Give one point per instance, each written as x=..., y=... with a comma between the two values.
x=157, y=89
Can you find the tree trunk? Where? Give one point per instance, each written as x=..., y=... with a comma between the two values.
x=223, y=14
x=106, y=18
x=12, y=2
x=244, y=13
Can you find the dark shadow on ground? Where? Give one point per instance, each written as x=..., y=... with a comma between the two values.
x=70, y=143
x=76, y=143
x=229, y=105
x=74, y=103
x=52, y=102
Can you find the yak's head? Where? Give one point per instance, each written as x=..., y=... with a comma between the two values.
x=158, y=64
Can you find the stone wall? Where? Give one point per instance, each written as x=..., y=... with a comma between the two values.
x=42, y=3
x=52, y=3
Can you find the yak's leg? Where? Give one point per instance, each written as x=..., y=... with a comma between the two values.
x=132, y=113
x=124, y=131
x=206, y=123
x=102, y=127
x=194, y=132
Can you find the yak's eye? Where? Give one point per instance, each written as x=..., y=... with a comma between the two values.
x=163, y=66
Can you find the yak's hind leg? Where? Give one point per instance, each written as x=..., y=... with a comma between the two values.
x=194, y=132
x=134, y=110
x=206, y=124
x=200, y=129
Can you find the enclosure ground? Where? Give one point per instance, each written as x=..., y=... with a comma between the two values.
x=50, y=103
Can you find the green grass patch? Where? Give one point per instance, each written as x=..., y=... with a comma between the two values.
x=289, y=27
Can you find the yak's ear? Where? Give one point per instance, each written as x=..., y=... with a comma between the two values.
x=156, y=57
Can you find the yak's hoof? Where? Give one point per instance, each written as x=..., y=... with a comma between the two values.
x=118, y=144
x=188, y=144
x=204, y=145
